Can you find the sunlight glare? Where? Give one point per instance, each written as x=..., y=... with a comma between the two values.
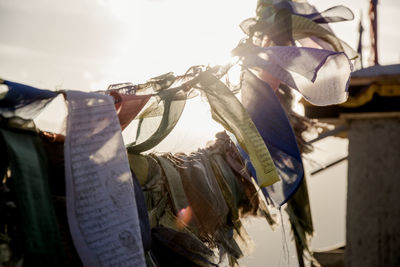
x=296, y=105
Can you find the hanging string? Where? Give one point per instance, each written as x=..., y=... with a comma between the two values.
x=285, y=245
x=191, y=77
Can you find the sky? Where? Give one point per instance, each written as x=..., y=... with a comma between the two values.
x=87, y=45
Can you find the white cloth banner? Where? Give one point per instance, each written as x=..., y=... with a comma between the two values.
x=101, y=204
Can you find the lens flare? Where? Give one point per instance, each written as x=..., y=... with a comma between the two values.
x=184, y=217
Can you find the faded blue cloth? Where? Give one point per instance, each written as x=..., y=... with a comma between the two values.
x=19, y=95
x=22, y=103
x=271, y=121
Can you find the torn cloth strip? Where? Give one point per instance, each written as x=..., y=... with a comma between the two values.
x=175, y=186
x=227, y=110
x=172, y=104
x=28, y=166
x=272, y=123
x=283, y=27
x=203, y=193
x=128, y=106
x=239, y=187
x=101, y=207
x=237, y=165
x=173, y=248
x=320, y=75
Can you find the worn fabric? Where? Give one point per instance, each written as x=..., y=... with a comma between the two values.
x=233, y=234
x=154, y=191
x=228, y=245
x=11, y=228
x=22, y=118
x=304, y=9
x=233, y=157
x=99, y=188
x=20, y=95
x=203, y=193
x=142, y=213
x=170, y=238
x=308, y=70
x=140, y=166
x=173, y=248
x=229, y=112
x=272, y=123
x=159, y=202
x=21, y=104
x=227, y=183
x=54, y=149
x=158, y=120
x=295, y=21
x=299, y=211
x=128, y=106
x=251, y=202
x=72, y=257
x=236, y=180
x=175, y=186
x=28, y=166
x=53, y=145
x=202, y=196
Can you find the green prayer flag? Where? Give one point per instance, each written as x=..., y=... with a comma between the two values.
x=173, y=103
x=229, y=112
x=176, y=190
x=28, y=165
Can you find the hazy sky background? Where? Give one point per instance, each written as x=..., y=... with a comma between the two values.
x=90, y=44
x=87, y=45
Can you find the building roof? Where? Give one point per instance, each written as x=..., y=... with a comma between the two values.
x=373, y=89
x=375, y=73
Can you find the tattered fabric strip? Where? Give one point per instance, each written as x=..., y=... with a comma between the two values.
x=173, y=248
x=203, y=193
x=226, y=181
x=229, y=112
x=321, y=76
x=173, y=103
x=176, y=190
x=299, y=28
x=232, y=176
